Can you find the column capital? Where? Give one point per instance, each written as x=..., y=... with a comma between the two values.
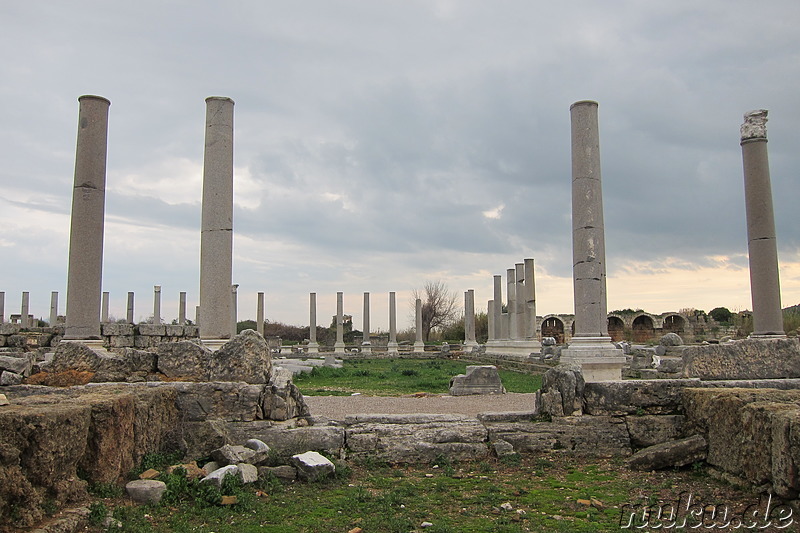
x=755, y=125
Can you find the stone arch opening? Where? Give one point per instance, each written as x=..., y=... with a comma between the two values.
x=674, y=324
x=616, y=328
x=643, y=329
x=553, y=327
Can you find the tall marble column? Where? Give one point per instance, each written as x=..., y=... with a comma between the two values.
x=521, y=300
x=54, y=309
x=129, y=308
x=85, y=271
x=469, y=319
x=366, y=345
x=392, y=347
x=765, y=288
x=25, y=311
x=530, y=300
x=216, y=237
x=313, y=346
x=156, y=304
x=2, y=307
x=419, y=344
x=590, y=346
x=511, y=292
x=105, y=303
x=182, y=308
x=339, y=345
x=499, y=331
x=260, y=313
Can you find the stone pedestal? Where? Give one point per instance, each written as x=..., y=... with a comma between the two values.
x=591, y=346
x=761, y=239
x=216, y=237
x=84, y=278
x=313, y=346
x=392, y=347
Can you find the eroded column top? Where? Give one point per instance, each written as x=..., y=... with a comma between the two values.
x=755, y=125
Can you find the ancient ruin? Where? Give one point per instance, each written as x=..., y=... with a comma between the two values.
x=86, y=394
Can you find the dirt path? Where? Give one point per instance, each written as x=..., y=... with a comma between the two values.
x=337, y=407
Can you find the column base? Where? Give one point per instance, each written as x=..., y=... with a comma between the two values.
x=766, y=336
x=313, y=347
x=419, y=347
x=519, y=349
x=214, y=344
x=338, y=347
x=392, y=348
x=598, y=358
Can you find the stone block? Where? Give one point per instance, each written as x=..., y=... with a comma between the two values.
x=479, y=379
x=127, y=341
x=246, y=358
x=416, y=438
x=6, y=328
x=248, y=473
x=152, y=330
x=232, y=455
x=672, y=454
x=580, y=435
x=286, y=442
x=185, y=359
x=191, y=331
x=107, y=366
x=746, y=359
x=634, y=396
x=115, y=329
x=227, y=401
x=753, y=434
x=563, y=390
x=143, y=343
x=281, y=399
x=649, y=430
x=10, y=378
x=312, y=466
x=3, y=340
x=172, y=330
x=19, y=365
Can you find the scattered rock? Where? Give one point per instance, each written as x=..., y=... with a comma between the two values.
x=210, y=467
x=503, y=448
x=4, y=400
x=231, y=455
x=670, y=454
x=217, y=476
x=671, y=339
x=426, y=524
x=506, y=506
x=248, y=473
x=229, y=500
x=192, y=470
x=312, y=466
x=244, y=358
x=151, y=473
x=146, y=490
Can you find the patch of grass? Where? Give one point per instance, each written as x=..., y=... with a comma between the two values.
x=463, y=497
x=395, y=377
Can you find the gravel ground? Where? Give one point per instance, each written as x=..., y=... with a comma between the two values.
x=337, y=407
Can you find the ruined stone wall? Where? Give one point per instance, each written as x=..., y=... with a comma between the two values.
x=114, y=335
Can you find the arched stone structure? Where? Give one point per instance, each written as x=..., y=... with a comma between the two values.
x=553, y=326
x=643, y=327
x=616, y=328
x=674, y=323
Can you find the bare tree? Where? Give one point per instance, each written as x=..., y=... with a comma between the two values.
x=439, y=306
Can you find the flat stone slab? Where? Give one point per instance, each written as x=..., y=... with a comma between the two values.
x=672, y=454
x=312, y=466
x=479, y=379
x=746, y=359
x=146, y=490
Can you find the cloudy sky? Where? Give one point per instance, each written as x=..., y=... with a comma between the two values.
x=380, y=144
